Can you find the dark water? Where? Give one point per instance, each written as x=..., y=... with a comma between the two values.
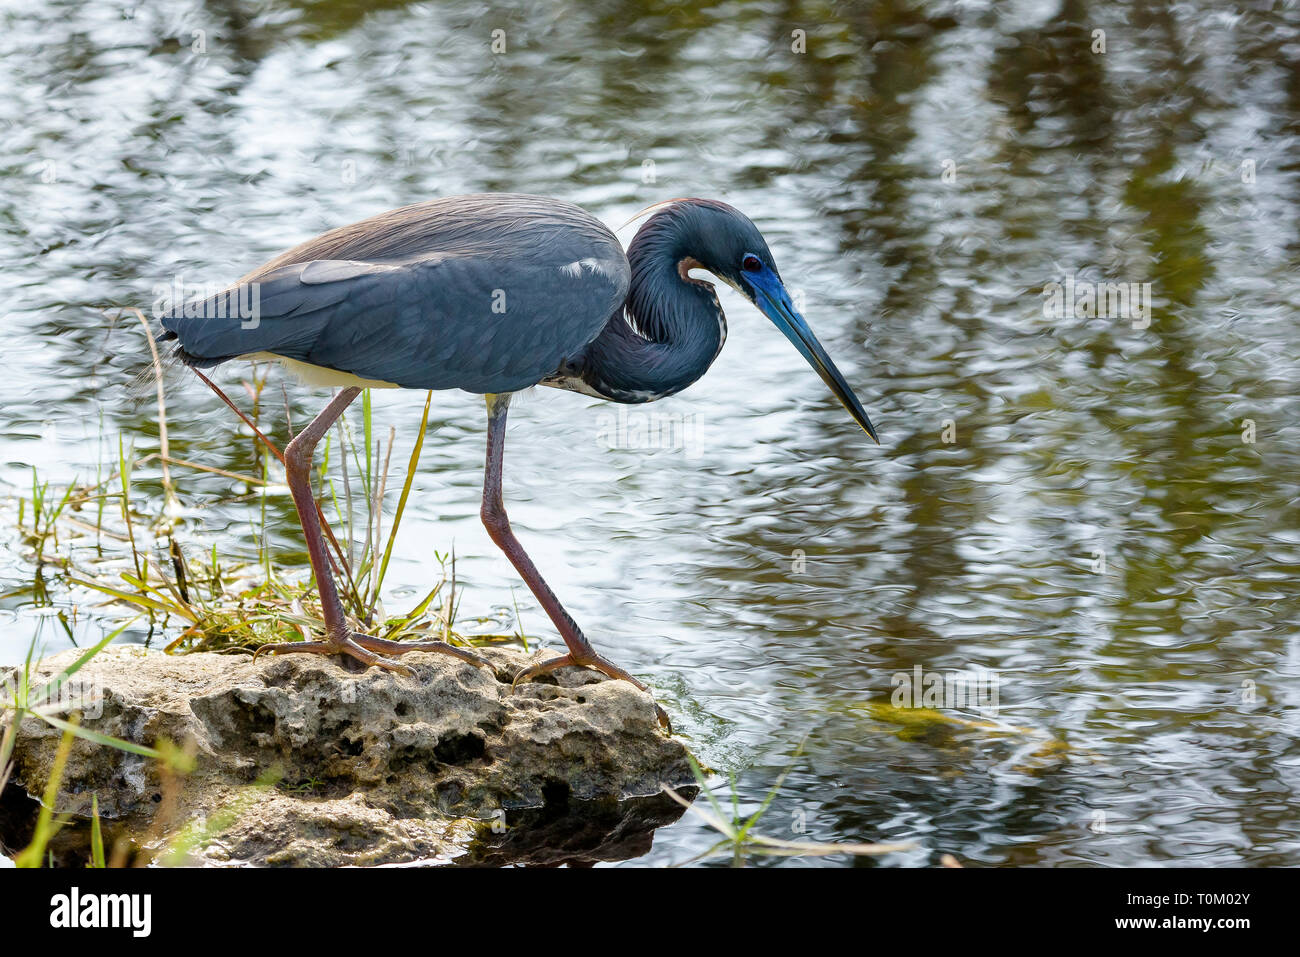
x=774, y=575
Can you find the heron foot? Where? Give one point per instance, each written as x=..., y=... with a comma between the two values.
x=370, y=650
x=337, y=646
x=385, y=646
x=605, y=667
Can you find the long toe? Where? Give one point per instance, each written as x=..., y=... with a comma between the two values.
x=385, y=646
x=542, y=668
x=350, y=646
x=297, y=647
x=344, y=646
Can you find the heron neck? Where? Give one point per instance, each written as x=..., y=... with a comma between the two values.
x=669, y=331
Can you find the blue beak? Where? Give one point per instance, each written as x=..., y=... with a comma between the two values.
x=771, y=297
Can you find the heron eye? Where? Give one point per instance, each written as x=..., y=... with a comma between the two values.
x=751, y=264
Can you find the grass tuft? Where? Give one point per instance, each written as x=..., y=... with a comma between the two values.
x=149, y=564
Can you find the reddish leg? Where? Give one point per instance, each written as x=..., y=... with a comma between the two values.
x=339, y=638
x=498, y=526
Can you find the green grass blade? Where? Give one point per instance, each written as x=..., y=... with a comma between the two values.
x=45, y=690
x=34, y=854
x=771, y=794
x=96, y=835
x=401, y=502
x=703, y=782
x=416, y=612
x=133, y=598
x=94, y=737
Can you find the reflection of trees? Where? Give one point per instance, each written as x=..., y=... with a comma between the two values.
x=1179, y=477
x=857, y=88
x=1051, y=72
x=630, y=77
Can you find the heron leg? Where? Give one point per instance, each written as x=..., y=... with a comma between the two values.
x=339, y=638
x=581, y=653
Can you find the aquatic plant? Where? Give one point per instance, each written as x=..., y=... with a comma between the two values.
x=740, y=837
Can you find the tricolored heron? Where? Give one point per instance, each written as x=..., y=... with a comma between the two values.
x=492, y=293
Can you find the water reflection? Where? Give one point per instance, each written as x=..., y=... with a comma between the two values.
x=1069, y=502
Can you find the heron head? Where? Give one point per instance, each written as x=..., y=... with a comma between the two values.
x=732, y=248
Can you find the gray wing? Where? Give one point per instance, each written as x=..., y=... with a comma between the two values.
x=488, y=293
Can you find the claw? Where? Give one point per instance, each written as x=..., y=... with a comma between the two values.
x=664, y=721
x=541, y=668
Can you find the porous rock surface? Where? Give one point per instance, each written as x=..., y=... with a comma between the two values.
x=370, y=767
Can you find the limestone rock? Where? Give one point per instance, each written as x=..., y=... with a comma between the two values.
x=369, y=767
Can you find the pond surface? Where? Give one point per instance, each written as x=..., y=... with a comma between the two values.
x=1098, y=513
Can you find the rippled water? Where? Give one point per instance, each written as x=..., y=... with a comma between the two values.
x=1074, y=504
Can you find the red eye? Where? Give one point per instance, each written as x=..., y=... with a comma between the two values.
x=751, y=264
